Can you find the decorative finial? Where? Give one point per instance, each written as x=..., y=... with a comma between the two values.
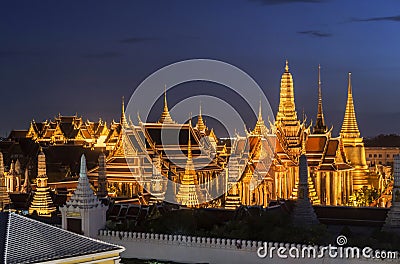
x=319, y=74
x=259, y=112
x=83, y=167
x=123, y=118
x=200, y=108
x=287, y=66
x=165, y=98
x=200, y=122
x=349, y=85
x=189, y=146
x=123, y=104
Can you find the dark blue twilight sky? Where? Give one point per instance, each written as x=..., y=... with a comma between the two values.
x=82, y=56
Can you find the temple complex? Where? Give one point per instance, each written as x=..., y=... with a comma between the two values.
x=151, y=162
x=42, y=203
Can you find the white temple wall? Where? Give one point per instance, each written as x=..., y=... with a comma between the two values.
x=187, y=249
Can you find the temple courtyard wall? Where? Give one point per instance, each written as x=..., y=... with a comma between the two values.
x=188, y=249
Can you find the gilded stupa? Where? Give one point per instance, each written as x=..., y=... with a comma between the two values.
x=42, y=203
x=353, y=142
x=189, y=193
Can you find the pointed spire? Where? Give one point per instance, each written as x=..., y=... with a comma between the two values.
x=350, y=127
x=165, y=116
x=102, y=176
x=189, y=147
x=287, y=108
x=42, y=202
x=189, y=192
x=41, y=164
x=26, y=187
x=83, y=171
x=320, y=127
x=83, y=197
x=303, y=212
x=200, y=123
x=260, y=125
x=123, y=117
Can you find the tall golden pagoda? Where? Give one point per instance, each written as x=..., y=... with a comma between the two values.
x=4, y=197
x=287, y=108
x=353, y=143
x=188, y=193
x=286, y=119
x=42, y=203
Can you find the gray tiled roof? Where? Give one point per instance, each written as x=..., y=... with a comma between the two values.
x=24, y=240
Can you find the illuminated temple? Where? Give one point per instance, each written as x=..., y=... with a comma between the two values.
x=192, y=166
x=263, y=163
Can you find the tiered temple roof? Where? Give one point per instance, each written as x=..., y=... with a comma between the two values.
x=68, y=130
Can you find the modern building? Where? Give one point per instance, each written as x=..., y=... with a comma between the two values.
x=381, y=155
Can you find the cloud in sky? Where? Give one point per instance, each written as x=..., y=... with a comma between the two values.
x=315, y=33
x=280, y=2
x=383, y=18
x=102, y=55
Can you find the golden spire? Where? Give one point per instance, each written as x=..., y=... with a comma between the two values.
x=287, y=109
x=350, y=127
x=123, y=117
x=200, y=123
x=189, y=148
x=42, y=203
x=189, y=192
x=165, y=116
x=320, y=127
x=260, y=126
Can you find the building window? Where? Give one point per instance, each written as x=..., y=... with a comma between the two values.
x=387, y=155
x=370, y=155
x=380, y=155
x=374, y=155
